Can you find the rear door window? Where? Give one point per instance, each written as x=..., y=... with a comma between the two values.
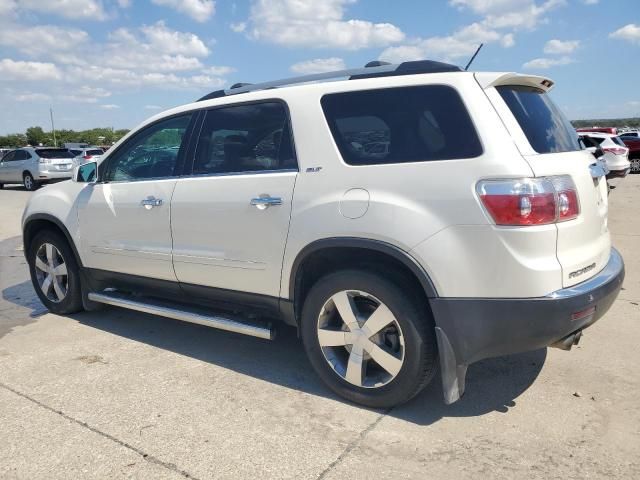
x=397, y=125
x=544, y=125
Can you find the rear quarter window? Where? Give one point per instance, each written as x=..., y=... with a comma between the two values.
x=397, y=125
x=544, y=125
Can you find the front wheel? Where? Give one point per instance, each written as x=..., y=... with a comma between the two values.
x=370, y=339
x=54, y=273
x=29, y=183
x=635, y=165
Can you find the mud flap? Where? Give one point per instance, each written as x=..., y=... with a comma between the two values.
x=453, y=375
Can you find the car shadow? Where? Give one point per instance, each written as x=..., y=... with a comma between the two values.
x=492, y=385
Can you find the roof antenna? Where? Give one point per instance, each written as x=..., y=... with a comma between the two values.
x=474, y=57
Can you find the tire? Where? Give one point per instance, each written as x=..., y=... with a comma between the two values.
x=409, y=338
x=635, y=165
x=28, y=182
x=42, y=262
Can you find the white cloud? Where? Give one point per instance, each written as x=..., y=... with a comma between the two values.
x=508, y=40
x=109, y=106
x=7, y=7
x=630, y=33
x=41, y=39
x=318, y=65
x=124, y=3
x=317, y=24
x=545, y=63
x=74, y=9
x=510, y=13
x=32, y=97
x=198, y=10
x=173, y=42
x=152, y=107
x=20, y=70
x=590, y=2
x=238, y=27
x=462, y=43
x=559, y=47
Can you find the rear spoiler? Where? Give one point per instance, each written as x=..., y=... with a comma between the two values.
x=488, y=80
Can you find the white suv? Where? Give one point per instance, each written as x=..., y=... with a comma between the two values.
x=479, y=228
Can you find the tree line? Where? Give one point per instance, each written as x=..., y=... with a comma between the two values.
x=608, y=122
x=36, y=136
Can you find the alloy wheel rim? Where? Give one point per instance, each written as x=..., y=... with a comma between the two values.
x=51, y=273
x=635, y=165
x=361, y=339
x=28, y=182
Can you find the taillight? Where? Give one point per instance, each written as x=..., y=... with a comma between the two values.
x=530, y=201
x=87, y=157
x=616, y=150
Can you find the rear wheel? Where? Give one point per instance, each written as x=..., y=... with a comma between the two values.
x=28, y=182
x=368, y=338
x=54, y=273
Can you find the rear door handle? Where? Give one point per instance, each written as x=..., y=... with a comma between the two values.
x=265, y=201
x=151, y=202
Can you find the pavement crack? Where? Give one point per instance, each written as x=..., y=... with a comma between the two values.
x=149, y=458
x=353, y=444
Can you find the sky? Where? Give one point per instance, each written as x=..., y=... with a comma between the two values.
x=113, y=63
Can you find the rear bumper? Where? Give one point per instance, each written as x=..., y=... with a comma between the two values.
x=619, y=173
x=53, y=175
x=471, y=329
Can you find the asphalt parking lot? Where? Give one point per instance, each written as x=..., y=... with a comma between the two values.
x=118, y=394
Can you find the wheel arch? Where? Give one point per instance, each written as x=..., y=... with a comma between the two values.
x=353, y=250
x=40, y=221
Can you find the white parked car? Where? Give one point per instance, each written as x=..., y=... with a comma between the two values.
x=32, y=167
x=615, y=152
x=84, y=155
x=479, y=230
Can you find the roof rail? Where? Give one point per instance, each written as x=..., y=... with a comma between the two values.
x=372, y=70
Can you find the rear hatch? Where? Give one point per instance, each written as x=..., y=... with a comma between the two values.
x=56, y=158
x=549, y=143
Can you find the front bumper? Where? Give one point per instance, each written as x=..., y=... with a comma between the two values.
x=471, y=329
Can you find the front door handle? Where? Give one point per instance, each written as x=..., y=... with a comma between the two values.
x=151, y=202
x=265, y=201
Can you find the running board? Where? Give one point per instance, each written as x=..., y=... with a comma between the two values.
x=183, y=313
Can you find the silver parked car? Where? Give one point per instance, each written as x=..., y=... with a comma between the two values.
x=34, y=166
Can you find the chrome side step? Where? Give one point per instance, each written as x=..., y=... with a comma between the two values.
x=184, y=313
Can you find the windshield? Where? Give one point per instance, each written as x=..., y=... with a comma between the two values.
x=545, y=126
x=54, y=153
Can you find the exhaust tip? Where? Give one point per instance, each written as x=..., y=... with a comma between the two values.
x=569, y=341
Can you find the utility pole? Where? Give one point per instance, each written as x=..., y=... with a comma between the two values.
x=53, y=128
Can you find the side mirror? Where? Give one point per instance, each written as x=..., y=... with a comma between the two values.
x=86, y=173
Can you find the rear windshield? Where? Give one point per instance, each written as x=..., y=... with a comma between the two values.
x=395, y=125
x=54, y=153
x=94, y=152
x=619, y=141
x=545, y=126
